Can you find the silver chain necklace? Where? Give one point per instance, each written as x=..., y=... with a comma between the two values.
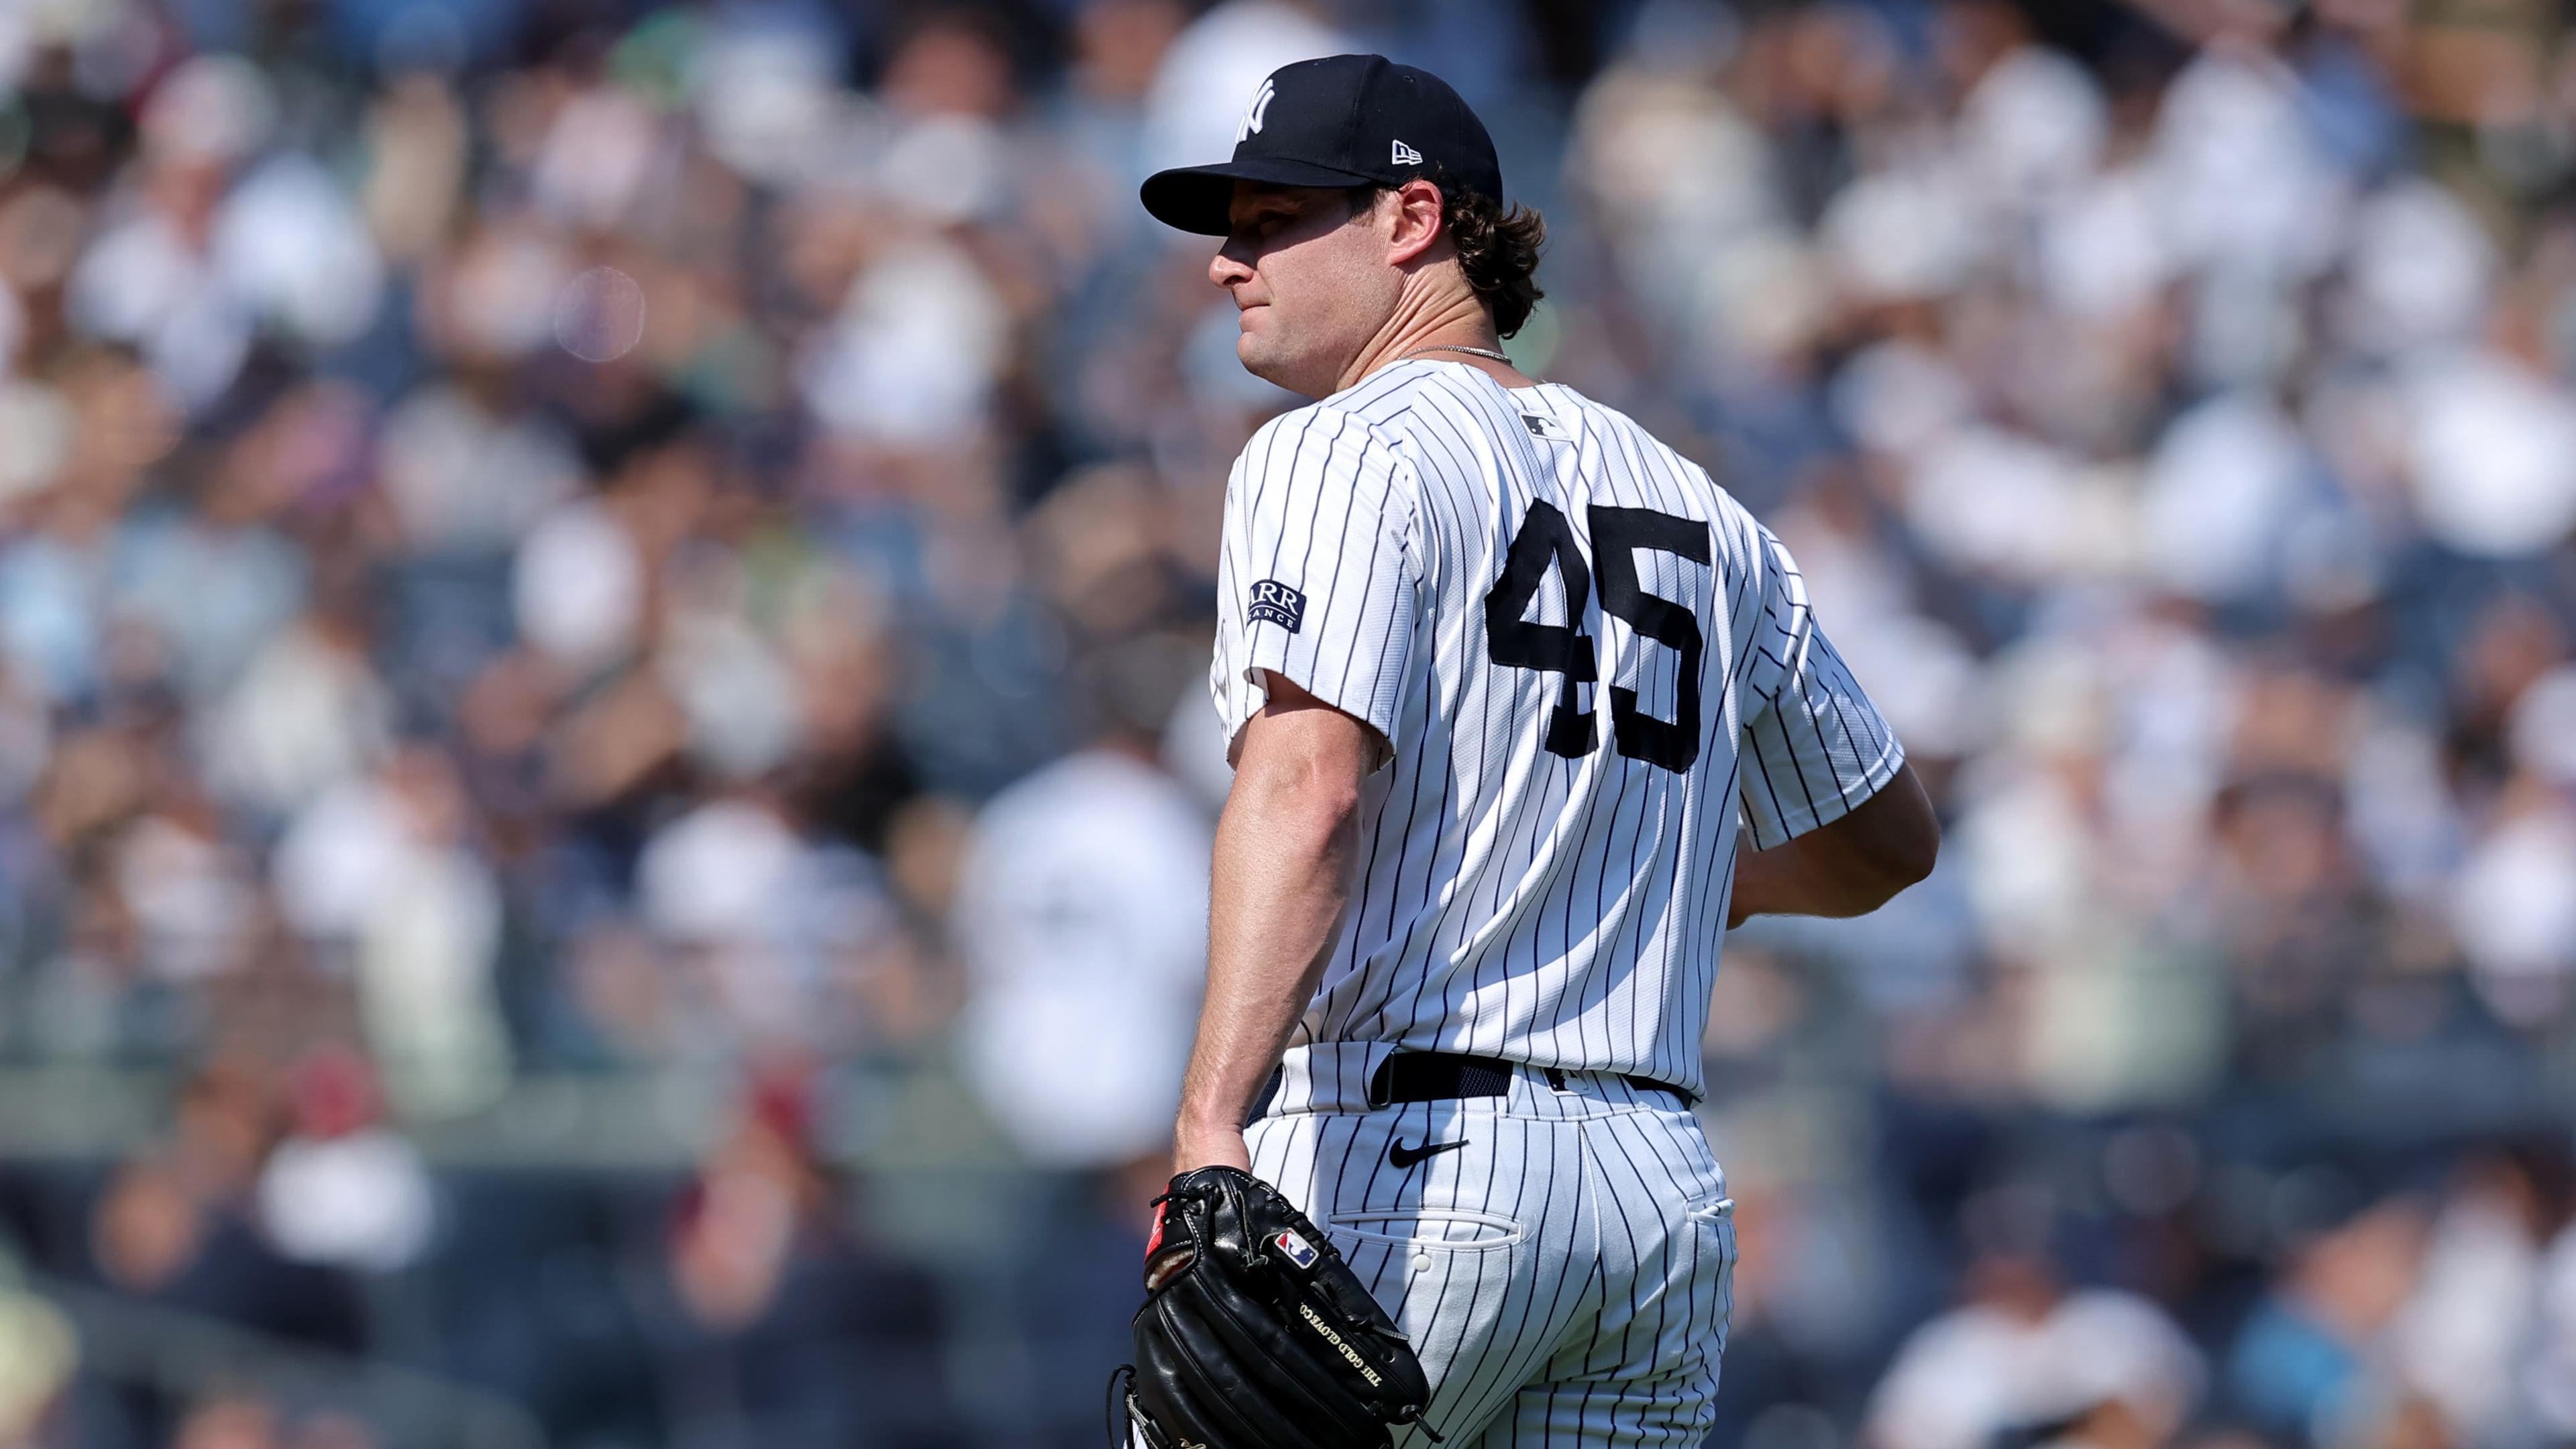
x=1501, y=357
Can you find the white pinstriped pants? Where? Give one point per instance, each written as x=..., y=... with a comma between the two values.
x=1565, y=1275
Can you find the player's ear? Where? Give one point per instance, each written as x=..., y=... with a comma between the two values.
x=1418, y=212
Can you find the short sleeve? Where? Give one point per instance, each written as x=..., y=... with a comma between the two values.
x=1814, y=746
x=1317, y=579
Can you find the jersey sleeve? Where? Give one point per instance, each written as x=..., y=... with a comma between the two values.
x=1814, y=746
x=1317, y=579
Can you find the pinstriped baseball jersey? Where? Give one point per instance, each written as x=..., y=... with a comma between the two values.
x=1587, y=663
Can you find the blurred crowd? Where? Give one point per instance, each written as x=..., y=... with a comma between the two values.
x=585, y=539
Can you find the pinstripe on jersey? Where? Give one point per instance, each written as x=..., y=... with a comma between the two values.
x=1547, y=852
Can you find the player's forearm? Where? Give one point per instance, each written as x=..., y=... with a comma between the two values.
x=1281, y=876
x=1847, y=868
x=1783, y=881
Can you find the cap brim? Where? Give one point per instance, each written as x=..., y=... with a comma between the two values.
x=1197, y=198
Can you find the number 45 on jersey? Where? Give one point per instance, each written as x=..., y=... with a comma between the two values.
x=1513, y=640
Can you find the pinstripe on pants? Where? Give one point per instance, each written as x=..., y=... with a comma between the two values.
x=1565, y=1276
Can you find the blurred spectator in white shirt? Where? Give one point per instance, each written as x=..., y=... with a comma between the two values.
x=380, y=872
x=1081, y=914
x=2027, y=1354
x=344, y=1188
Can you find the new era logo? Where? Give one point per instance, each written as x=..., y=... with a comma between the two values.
x=1404, y=154
x=1275, y=603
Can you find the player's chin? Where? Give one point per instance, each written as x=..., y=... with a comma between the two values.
x=1275, y=372
x=1258, y=355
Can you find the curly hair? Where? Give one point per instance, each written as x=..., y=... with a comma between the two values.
x=1498, y=247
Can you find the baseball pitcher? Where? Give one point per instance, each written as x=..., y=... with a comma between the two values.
x=1507, y=680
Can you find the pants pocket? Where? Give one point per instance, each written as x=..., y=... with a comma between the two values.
x=1427, y=1229
x=1714, y=1225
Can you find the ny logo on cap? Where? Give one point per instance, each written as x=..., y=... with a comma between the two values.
x=1253, y=114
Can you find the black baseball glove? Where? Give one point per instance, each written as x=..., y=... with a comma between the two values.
x=1256, y=1335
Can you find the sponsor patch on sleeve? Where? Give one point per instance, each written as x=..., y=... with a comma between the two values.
x=1275, y=603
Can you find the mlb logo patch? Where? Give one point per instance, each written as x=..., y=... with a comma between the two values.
x=1275, y=603
x=1297, y=1249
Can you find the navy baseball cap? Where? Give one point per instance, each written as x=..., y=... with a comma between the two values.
x=1339, y=121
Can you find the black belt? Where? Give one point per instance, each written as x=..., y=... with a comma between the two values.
x=1446, y=1076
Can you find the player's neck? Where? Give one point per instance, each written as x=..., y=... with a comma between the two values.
x=1431, y=326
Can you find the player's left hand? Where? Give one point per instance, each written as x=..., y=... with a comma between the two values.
x=1256, y=1332
x=1194, y=1148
